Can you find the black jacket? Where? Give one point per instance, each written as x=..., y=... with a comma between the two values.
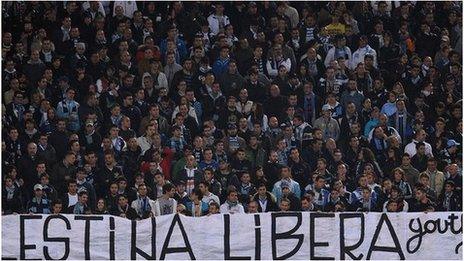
x=271, y=203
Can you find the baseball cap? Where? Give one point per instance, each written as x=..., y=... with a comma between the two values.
x=452, y=143
x=38, y=187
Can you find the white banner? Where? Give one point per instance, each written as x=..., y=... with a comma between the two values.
x=241, y=236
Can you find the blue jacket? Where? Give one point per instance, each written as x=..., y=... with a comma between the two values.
x=220, y=66
x=181, y=47
x=204, y=207
x=69, y=109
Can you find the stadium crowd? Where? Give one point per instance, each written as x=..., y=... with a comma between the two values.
x=140, y=109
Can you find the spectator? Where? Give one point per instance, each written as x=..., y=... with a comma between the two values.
x=81, y=207
x=39, y=204
x=327, y=124
x=123, y=209
x=196, y=207
x=450, y=200
x=232, y=205
x=164, y=205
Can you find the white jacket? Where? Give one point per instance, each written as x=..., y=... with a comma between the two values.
x=143, y=143
x=224, y=209
x=214, y=23
x=137, y=205
x=411, y=148
x=162, y=81
x=358, y=56
x=273, y=68
x=129, y=7
x=331, y=56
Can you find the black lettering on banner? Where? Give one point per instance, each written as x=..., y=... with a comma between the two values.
x=344, y=249
x=419, y=235
x=135, y=250
x=285, y=235
x=87, y=232
x=450, y=223
x=312, y=240
x=46, y=238
x=395, y=249
x=22, y=237
x=257, y=237
x=112, y=227
x=168, y=250
x=429, y=227
x=227, y=255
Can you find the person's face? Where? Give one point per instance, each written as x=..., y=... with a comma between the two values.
x=113, y=188
x=419, y=195
x=72, y=188
x=341, y=169
x=100, y=204
x=425, y=181
x=109, y=159
x=40, y=168
x=75, y=146
x=320, y=165
x=57, y=208
x=190, y=161
x=262, y=191
x=84, y=199
x=453, y=169
x=320, y=183
x=393, y=207
x=202, y=188
x=122, y=185
x=305, y=204
x=245, y=178
x=431, y=165
x=421, y=150
x=122, y=201
x=233, y=197
x=282, y=144
x=35, y=55
x=32, y=149
x=170, y=193
x=366, y=194
x=8, y=182
x=449, y=188
x=363, y=182
x=114, y=132
x=284, y=206
x=142, y=191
